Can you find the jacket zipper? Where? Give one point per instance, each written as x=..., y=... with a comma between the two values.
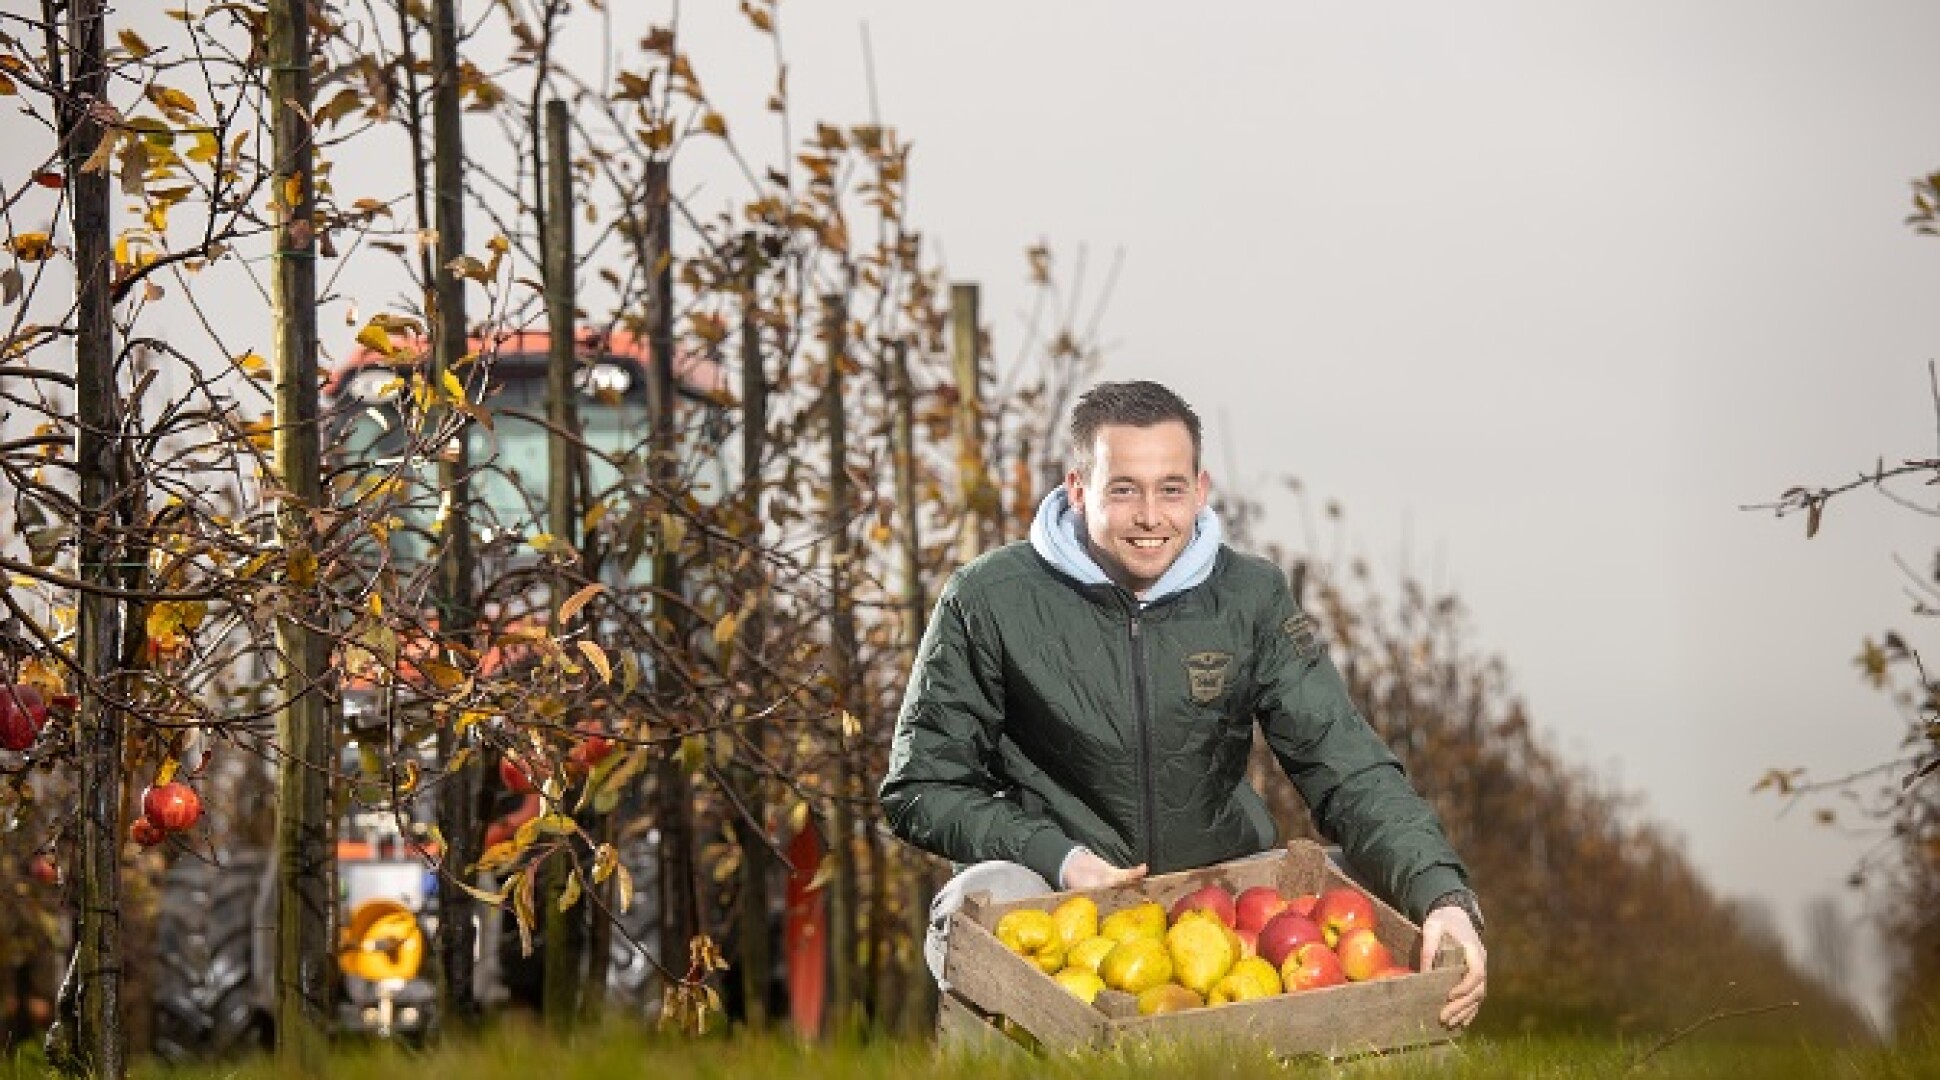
x=1144, y=734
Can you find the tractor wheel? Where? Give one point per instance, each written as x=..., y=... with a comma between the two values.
x=204, y=1004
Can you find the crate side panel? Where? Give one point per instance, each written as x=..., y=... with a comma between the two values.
x=1385, y=1015
x=999, y=981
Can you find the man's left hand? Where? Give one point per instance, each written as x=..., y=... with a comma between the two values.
x=1465, y=1000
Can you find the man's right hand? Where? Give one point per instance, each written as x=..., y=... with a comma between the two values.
x=1088, y=871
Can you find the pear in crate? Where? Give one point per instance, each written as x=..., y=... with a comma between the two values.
x=1083, y=985
x=1167, y=998
x=1136, y=966
x=1089, y=953
x=1076, y=920
x=1202, y=951
x=1145, y=920
x=1030, y=933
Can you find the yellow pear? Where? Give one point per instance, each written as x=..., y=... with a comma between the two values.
x=1049, y=959
x=1026, y=930
x=1076, y=919
x=1083, y=985
x=1251, y=978
x=1145, y=920
x=1263, y=974
x=1089, y=953
x=1201, y=953
x=1137, y=965
x=1167, y=998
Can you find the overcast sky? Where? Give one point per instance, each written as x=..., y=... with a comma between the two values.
x=1541, y=292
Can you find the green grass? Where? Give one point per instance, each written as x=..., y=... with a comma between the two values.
x=515, y=1052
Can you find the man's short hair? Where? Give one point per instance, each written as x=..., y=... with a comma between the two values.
x=1132, y=404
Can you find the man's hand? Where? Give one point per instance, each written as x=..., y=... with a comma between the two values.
x=1088, y=871
x=1465, y=1000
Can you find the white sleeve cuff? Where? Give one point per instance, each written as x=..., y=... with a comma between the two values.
x=1066, y=864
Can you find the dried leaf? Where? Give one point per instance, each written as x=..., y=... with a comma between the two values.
x=570, y=894
x=578, y=600
x=596, y=656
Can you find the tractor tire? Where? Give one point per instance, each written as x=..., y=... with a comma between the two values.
x=205, y=1006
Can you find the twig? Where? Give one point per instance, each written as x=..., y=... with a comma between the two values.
x=1712, y=1017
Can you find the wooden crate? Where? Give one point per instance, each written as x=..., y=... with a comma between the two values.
x=991, y=985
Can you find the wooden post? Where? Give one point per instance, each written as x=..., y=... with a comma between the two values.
x=981, y=504
x=564, y=931
x=680, y=907
x=457, y=936
x=752, y=952
x=843, y=673
x=88, y=1038
x=304, y=854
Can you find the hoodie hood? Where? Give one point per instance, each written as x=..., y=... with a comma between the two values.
x=1058, y=534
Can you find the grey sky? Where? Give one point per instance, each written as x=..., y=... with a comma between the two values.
x=1541, y=292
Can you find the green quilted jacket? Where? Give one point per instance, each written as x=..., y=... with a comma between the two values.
x=1044, y=714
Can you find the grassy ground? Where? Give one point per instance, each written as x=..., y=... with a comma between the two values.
x=513, y=1053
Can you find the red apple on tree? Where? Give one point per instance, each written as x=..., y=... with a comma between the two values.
x=593, y=747
x=1284, y=933
x=1255, y=906
x=1311, y=967
x=23, y=712
x=42, y=869
x=1212, y=899
x=1341, y=910
x=1362, y=954
x=173, y=806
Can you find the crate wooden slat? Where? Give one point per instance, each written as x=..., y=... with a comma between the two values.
x=1387, y=1014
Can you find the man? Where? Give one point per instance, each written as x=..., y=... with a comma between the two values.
x=1082, y=706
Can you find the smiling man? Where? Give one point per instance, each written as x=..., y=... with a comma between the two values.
x=1082, y=706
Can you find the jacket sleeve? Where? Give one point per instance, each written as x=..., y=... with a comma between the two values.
x=1351, y=781
x=940, y=793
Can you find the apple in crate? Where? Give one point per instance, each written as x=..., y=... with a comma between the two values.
x=1341, y=910
x=1362, y=955
x=1284, y=933
x=1311, y=967
x=1255, y=906
x=1210, y=898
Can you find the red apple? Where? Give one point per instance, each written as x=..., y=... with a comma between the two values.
x=23, y=712
x=1304, y=905
x=1211, y=898
x=173, y=806
x=42, y=869
x=1393, y=972
x=1341, y=910
x=512, y=774
x=1256, y=905
x=1311, y=967
x=1284, y=933
x=594, y=746
x=1362, y=954
x=146, y=833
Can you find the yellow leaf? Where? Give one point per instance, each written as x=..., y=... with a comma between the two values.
x=596, y=656
x=293, y=191
x=207, y=147
x=7, y=87
x=798, y=817
x=376, y=339
x=714, y=124
x=300, y=567
x=171, y=100
x=134, y=44
x=604, y=860
x=725, y=629
x=692, y=754
x=570, y=894
x=578, y=600
x=253, y=362
x=442, y=675
x=595, y=514
x=625, y=878
x=31, y=246
x=454, y=389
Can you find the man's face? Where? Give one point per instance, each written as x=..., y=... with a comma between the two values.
x=1139, y=501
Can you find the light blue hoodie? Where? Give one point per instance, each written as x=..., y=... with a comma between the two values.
x=1058, y=534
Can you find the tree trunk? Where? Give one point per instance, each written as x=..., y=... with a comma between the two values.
x=565, y=931
x=88, y=1037
x=981, y=505
x=844, y=982
x=457, y=939
x=304, y=855
x=754, y=959
x=680, y=907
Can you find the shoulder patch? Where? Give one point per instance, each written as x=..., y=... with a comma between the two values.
x=1304, y=633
